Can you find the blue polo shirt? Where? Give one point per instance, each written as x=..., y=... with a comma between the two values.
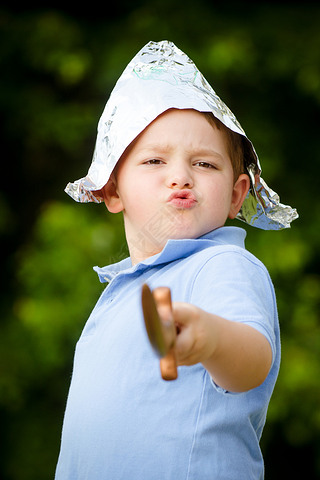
x=122, y=421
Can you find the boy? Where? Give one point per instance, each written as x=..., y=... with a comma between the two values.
x=177, y=174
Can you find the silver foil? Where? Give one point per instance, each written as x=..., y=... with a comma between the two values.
x=160, y=77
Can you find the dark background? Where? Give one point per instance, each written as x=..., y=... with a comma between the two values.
x=57, y=68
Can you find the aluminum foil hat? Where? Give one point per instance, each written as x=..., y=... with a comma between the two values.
x=160, y=77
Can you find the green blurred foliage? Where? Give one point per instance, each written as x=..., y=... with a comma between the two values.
x=58, y=67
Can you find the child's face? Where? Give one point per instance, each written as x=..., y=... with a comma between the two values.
x=174, y=181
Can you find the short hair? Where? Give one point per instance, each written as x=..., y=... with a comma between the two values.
x=237, y=146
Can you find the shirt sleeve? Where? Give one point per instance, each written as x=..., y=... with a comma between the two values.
x=235, y=285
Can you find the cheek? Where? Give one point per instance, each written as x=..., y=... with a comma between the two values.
x=220, y=190
x=137, y=197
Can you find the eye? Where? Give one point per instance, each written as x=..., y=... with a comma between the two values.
x=205, y=165
x=153, y=161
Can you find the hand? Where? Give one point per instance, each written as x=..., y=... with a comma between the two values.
x=195, y=341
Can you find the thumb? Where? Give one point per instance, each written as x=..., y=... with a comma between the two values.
x=184, y=314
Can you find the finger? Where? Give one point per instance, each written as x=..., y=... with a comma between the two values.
x=185, y=347
x=183, y=313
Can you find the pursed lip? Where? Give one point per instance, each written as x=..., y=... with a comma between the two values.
x=182, y=199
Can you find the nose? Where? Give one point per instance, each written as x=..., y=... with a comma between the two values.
x=181, y=184
x=180, y=177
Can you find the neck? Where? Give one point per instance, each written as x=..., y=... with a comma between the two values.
x=139, y=252
x=142, y=245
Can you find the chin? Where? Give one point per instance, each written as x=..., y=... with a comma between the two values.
x=185, y=234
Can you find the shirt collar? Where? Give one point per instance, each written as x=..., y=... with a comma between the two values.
x=174, y=250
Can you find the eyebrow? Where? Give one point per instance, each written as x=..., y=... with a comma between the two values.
x=162, y=148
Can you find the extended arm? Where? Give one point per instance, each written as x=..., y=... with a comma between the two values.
x=237, y=356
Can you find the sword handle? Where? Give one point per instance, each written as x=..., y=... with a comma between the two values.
x=168, y=363
x=168, y=366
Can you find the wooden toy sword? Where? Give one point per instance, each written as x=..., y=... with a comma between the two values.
x=157, y=312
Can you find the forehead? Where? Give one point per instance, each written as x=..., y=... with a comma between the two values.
x=179, y=128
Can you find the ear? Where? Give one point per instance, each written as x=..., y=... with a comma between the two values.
x=240, y=190
x=111, y=197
